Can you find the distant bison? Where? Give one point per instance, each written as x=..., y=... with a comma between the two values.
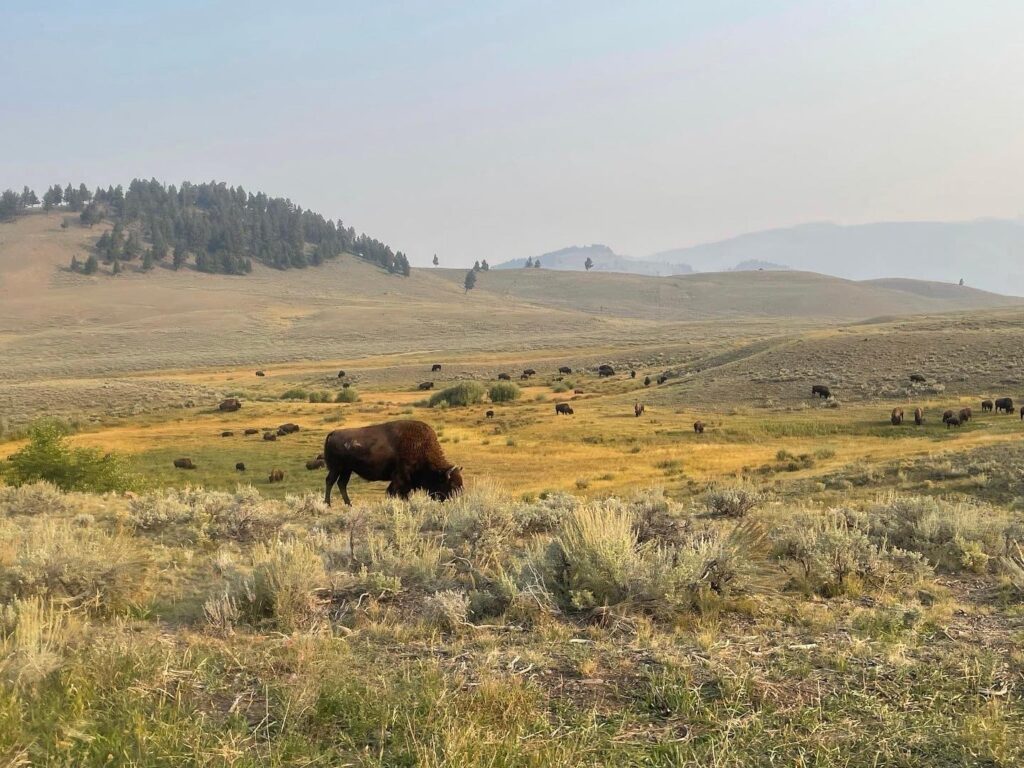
x=1022, y=413
x=405, y=453
x=435, y=367
x=316, y=463
x=425, y=385
x=563, y=409
x=638, y=409
x=345, y=385
x=260, y=373
x=565, y=369
x=529, y=372
x=821, y=391
x=252, y=431
x=525, y=377
x=489, y=414
x=287, y=429
x=953, y=421
x=662, y=379
x=1004, y=405
x=276, y=476
x=632, y=374
x=966, y=414
x=577, y=391
x=605, y=370
x=698, y=427
x=240, y=467
x=184, y=464
x=917, y=378
x=947, y=415
x=227, y=433
x=896, y=417
x=270, y=436
x=504, y=377
x=918, y=416
x=341, y=374
x=986, y=406
x=647, y=381
x=231, y=404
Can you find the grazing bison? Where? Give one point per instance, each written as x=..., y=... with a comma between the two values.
x=966, y=414
x=947, y=415
x=405, y=453
x=231, y=404
x=605, y=370
x=341, y=374
x=345, y=385
x=638, y=409
x=917, y=378
x=425, y=385
x=821, y=391
x=260, y=373
x=647, y=381
x=662, y=379
x=489, y=414
x=227, y=433
x=270, y=436
x=953, y=421
x=918, y=416
x=632, y=374
x=287, y=429
x=986, y=405
x=698, y=427
x=184, y=464
x=317, y=463
x=525, y=377
x=240, y=467
x=565, y=369
x=252, y=431
x=1022, y=413
x=563, y=408
x=276, y=476
x=435, y=367
x=577, y=391
x=1004, y=405
x=529, y=372
x=896, y=417
x=504, y=377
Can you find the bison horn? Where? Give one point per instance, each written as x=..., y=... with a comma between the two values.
x=453, y=469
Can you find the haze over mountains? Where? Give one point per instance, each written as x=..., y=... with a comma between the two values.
x=987, y=253
x=604, y=259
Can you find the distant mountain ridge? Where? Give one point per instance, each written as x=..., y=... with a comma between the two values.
x=604, y=259
x=986, y=254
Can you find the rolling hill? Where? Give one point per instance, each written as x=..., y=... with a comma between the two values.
x=987, y=254
x=604, y=259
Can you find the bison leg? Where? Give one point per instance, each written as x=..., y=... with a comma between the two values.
x=332, y=478
x=341, y=477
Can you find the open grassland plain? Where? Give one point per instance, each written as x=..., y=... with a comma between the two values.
x=803, y=583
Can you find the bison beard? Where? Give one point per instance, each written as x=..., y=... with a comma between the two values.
x=405, y=453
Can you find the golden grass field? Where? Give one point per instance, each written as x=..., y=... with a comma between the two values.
x=597, y=597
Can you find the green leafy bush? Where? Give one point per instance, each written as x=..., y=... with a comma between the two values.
x=320, y=397
x=295, y=394
x=504, y=392
x=348, y=395
x=461, y=394
x=49, y=458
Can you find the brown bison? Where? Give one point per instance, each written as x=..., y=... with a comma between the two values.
x=953, y=421
x=405, y=453
x=1022, y=413
x=565, y=369
x=227, y=433
x=316, y=463
x=947, y=415
x=525, y=377
x=918, y=416
x=605, y=370
x=632, y=374
x=966, y=414
x=184, y=464
x=276, y=476
x=287, y=429
x=918, y=378
x=435, y=367
x=577, y=391
x=252, y=431
x=425, y=385
x=1004, y=405
x=647, y=381
x=986, y=406
x=821, y=391
x=270, y=436
x=638, y=409
x=231, y=404
x=698, y=427
x=896, y=417
x=341, y=374
x=504, y=377
x=260, y=373
x=662, y=379
x=564, y=409
x=489, y=414
x=529, y=372
x=240, y=467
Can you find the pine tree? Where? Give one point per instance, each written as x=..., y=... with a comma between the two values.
x=178, y=260
x=28, y=198
x=436, y=262
x=476, y=266
x=529, y=262
x=536, y=264
x=9, y=204
x=484, y=265
x=91, y=265
x=470, y=280
x=116, y=269
x=588, y=264
x=75, y=266
x=148, y=260
x=53, y=197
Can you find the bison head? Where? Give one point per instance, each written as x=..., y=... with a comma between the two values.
x=447, y=483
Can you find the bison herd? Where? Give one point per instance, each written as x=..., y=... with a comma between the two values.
x=958, y=417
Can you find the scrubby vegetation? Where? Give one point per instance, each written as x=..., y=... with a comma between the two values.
x=504, y=392
x=463, y=393
x=226, y=628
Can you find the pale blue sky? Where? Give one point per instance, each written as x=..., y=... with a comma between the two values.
x=479, y=130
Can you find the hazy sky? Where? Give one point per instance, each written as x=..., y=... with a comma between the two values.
x=486, y=130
